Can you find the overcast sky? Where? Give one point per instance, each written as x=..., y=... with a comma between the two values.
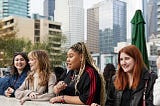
x=37, y=7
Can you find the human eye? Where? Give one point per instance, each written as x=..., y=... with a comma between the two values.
x=121, y=59
x=22, y=59
x=127, y=58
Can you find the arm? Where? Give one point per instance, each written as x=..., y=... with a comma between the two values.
x=50, y=93
x=22, y=91
x=67, y=99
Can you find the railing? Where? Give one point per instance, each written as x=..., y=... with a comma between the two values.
x=5, y=101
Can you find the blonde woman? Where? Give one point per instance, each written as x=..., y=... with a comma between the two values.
x=84, y=84
x=39, y=83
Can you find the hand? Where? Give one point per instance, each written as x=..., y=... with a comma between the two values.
x=9, y=91
x=61, y=85
x=33, y=95
x=95, y=104
x=57, y=99
x=22, y=101
x=158, y=62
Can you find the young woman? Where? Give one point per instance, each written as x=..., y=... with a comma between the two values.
x=39, y=83
x=18, y=73
x=133, y=84
x=83, y=84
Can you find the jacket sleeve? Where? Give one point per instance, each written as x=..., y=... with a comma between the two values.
x=50, y=93
x=111, y=95
x=156, y=90
x=23, y=90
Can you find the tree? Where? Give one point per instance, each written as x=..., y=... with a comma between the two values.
x=8, y=46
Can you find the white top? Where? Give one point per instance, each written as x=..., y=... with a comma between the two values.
x=156, y=91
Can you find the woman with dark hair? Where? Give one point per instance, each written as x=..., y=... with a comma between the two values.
x=84, y=84
x=132, y=84
x=18, y=73
x=108, y=72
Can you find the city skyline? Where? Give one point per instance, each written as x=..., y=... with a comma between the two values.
x=37, y=7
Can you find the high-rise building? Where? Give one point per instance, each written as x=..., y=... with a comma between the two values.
x=93, y=29
x=48, y=8
x=71, y=14
x=14, y=8
x=112, y=24
x=158, y=16
x=152, y=17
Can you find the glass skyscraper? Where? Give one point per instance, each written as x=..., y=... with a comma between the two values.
x=71, y=14
x=112, y=24
x=49, y=7
x=14, y=8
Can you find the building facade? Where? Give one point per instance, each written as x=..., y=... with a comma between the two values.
x=14, y=8
x=93, y=29
x=48, y=8
x=71, y=14
x=112, y=24
x=35, y=30
x=152, y=17
x=158, y=16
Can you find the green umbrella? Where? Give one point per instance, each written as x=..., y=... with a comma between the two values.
x=138, y=35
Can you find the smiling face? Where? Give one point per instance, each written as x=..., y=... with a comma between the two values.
x=19, y=62
x=127, y=62
x=73, y=60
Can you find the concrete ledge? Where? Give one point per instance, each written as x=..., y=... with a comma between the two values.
x=5, y=101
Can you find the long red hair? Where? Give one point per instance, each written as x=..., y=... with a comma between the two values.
x=121, y=81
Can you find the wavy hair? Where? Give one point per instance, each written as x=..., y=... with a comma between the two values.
x=81, y=48
x=43, y=65
x=121, y=80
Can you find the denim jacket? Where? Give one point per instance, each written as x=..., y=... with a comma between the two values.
x=13, y=81
x=115, y=96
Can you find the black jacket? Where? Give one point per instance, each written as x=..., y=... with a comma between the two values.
x=115, y=96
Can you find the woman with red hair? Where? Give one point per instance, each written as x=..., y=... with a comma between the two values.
x=132, y=83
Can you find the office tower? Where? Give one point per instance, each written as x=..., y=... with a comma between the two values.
x=48, y=8
x=93, y=29
x=152, y=17
x=112, y=24
x=14, y=8
x=158, y=16
x=71, y=14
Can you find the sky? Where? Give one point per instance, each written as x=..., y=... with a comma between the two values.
x=37, y=7
x=132, y=5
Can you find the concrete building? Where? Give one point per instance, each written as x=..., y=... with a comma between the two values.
x=14, y=8
x=93, y=29
x=36, y=31
x=71, y=14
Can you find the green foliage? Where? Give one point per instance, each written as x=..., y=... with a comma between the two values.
x=9, y=46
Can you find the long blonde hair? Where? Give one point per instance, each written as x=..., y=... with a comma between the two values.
x=81, y=48
x=44, y=66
